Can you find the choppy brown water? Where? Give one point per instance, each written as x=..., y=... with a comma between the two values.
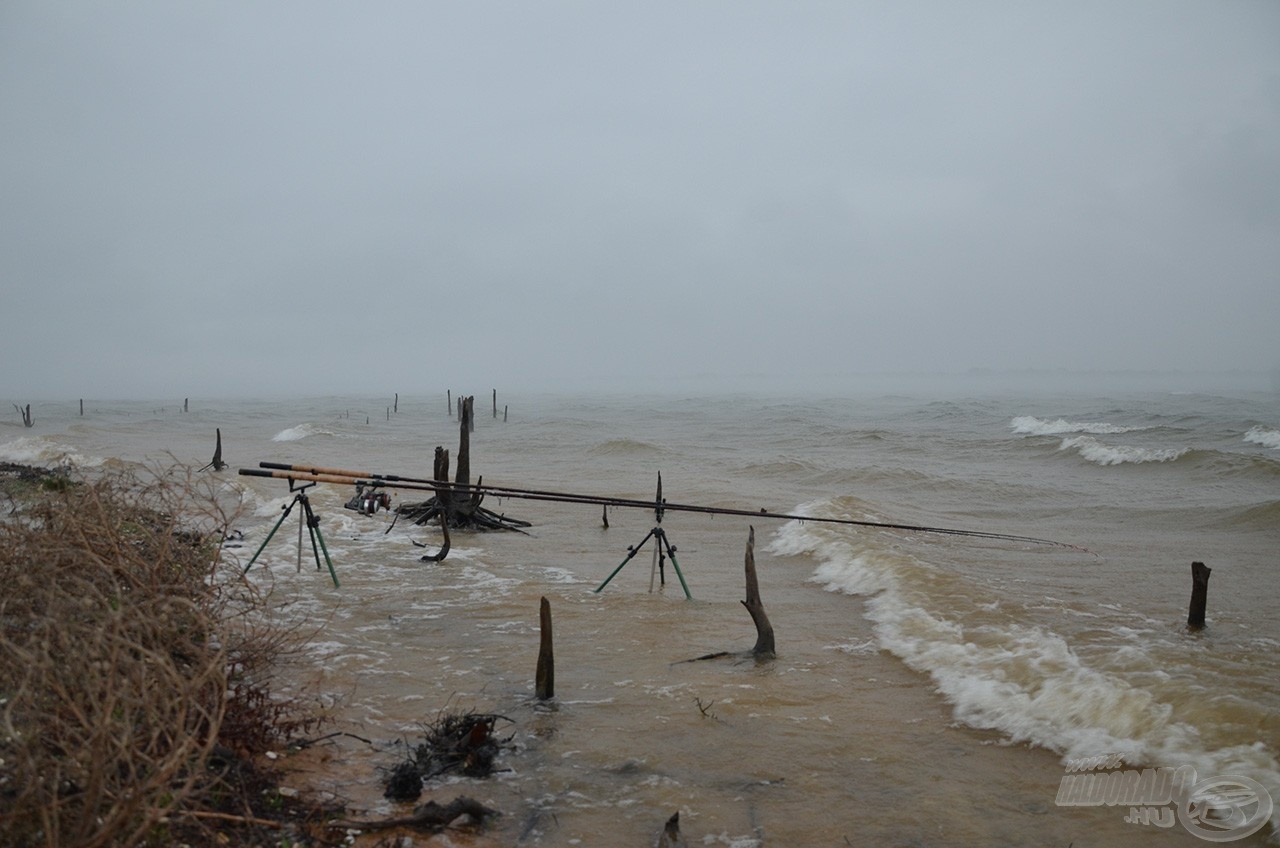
x=926, y=689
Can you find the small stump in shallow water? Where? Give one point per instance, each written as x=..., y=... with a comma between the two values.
x=462, y=743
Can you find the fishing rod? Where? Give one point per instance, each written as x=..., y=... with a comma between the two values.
x=339, y=476
x=370, y=478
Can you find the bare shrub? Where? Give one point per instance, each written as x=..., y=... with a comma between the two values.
x=134, y=670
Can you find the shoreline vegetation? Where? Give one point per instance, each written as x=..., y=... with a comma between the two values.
x=135, y=672
x=136, y=683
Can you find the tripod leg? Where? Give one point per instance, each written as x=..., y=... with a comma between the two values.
x=313, y=524
x=261, y=547
x=313, y=528
x=630, y=556
x=671, y=552
x=302, y=520
x=332, y=574
x=660, y=565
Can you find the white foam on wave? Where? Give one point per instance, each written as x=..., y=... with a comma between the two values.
x=1264, y=436
x=45, y=451
x=1096, y=452
x=302, y=431
x=1022, y=680
x=1031, y=426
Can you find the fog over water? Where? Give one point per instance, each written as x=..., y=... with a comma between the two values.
x=246, y=199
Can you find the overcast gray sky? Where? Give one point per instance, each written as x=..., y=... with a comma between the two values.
x=249, y=198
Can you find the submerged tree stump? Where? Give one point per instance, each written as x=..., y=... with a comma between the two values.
x=216, y=463
x=764, y=647
x=457, y=504
x=764, y=630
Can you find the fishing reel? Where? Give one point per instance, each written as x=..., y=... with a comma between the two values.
x=368, y=502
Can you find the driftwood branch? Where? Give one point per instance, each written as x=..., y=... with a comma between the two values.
x=26, y=415
x=428, y=816
x=252, y=821
x=439, y=555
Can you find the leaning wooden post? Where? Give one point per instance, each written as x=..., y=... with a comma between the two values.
x=495, y=403
x=395, y=404
x=1199, y=594
x=448, y=396
x=545, y=679
x=764, y=630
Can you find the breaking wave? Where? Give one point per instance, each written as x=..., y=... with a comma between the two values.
x=1264, y=436
x=302, y=431
x=1021, y=679
x=46, y=451
x=1096, y=452
x=1028, y=425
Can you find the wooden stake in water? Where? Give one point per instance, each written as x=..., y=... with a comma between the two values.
x=545, y=679
x=1199, y=594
